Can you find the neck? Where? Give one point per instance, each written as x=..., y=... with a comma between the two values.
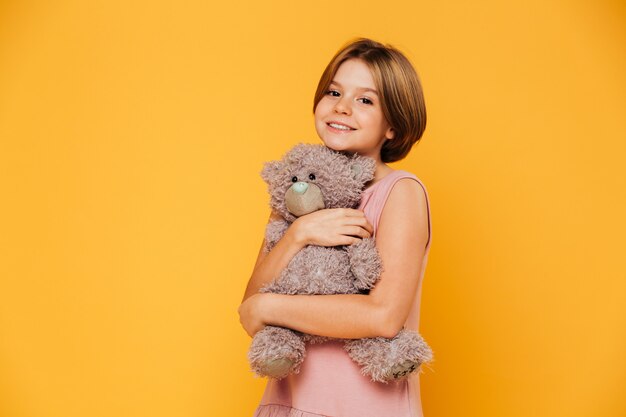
x=382, y=170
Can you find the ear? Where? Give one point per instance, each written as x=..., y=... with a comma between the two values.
x=390, y=133
x=271, y=170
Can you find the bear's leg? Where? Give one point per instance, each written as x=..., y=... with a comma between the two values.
x=276, y=352
x=385, y=360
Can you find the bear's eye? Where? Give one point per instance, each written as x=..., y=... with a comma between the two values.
x=312, y=177
x=294, y=179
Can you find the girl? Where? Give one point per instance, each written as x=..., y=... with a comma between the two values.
x=369, y=100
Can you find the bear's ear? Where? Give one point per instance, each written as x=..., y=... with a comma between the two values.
x=363, y=169
x=271, y=170
x=357, y=170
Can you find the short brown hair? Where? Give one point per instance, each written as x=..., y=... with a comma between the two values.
x=399, y=86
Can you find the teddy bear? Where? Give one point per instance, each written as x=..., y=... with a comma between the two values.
x=309, y=178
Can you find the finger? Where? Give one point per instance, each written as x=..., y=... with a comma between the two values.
x=361, y=222
x=364, y=223
x=348, y=240
x=348, y=212
x=356, y=231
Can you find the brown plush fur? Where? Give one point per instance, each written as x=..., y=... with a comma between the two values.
x=306, y=174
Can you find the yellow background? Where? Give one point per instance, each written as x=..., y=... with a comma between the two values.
x=132, y=135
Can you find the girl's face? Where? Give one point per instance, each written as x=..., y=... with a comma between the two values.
x=349, y=117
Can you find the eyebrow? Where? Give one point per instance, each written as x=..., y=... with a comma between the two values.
x=361, y=88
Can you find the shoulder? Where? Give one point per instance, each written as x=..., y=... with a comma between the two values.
x=274, y=216
x=407, y=193
x=406, y=186
x=406, y=209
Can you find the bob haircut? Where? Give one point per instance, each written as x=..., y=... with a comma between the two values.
x=399, y=86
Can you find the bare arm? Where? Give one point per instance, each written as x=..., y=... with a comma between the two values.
x=401, y=241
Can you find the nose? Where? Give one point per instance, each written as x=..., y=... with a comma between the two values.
x=300, y=187
x=342, y=105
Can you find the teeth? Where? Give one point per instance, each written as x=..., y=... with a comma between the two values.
x=342, y=127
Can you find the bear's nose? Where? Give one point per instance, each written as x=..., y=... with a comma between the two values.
x=300, y=187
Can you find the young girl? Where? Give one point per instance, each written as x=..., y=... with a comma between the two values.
x=369, y=100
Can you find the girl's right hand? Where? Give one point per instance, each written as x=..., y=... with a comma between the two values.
x=331, y=227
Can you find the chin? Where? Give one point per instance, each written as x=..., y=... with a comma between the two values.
x=334, y=145
x=341, y=149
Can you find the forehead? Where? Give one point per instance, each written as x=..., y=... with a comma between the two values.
x=354, y=73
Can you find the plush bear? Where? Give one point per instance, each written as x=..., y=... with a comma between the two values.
x=310, y=178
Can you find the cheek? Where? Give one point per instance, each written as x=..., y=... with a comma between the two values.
x=319, y=114
x=373, y=120
x=323, y=106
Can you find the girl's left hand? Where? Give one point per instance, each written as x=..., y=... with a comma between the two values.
x=250, y=314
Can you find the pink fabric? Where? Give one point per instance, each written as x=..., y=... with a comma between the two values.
x=330, y=383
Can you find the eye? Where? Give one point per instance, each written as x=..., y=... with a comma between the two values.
x=332, y=93
x=367, y=100
x=312, y=177
x=294, y=179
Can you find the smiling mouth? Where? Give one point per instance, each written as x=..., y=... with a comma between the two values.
x=339, y=127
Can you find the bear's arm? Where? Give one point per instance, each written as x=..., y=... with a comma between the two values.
x=274, y=231
x=274, y=255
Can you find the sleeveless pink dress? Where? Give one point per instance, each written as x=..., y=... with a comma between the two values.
x=330, y=383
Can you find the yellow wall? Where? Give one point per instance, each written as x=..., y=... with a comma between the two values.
x=131, y=140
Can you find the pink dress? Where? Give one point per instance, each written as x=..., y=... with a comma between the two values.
x=330, y=383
